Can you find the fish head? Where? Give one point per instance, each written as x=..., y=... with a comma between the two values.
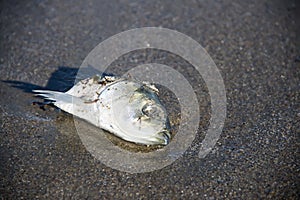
x=143, y=118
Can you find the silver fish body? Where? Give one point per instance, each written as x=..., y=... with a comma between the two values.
x=130, y=110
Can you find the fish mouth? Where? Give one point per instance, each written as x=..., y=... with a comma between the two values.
x=165, y=137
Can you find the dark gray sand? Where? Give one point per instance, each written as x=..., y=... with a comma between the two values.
x=255, y=45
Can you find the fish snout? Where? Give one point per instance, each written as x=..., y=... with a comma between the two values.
x=164, y=137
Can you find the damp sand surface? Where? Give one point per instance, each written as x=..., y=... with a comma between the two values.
x=253, y=43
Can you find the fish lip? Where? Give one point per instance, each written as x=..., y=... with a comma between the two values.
x=165, y=137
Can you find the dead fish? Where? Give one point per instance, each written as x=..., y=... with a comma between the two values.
x=129, y=109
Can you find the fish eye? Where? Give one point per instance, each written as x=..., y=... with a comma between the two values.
x=146, y=109
x=151, y=111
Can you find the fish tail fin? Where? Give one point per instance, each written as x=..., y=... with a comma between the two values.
x=64, y=101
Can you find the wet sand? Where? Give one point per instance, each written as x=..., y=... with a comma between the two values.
x=255, y=46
